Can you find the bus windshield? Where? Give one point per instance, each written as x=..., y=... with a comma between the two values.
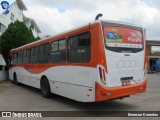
x=122, y=39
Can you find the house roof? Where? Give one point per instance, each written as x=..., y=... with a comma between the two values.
x=21, y=5
x=153, y=42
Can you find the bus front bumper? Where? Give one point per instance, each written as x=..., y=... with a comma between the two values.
x=104, y=93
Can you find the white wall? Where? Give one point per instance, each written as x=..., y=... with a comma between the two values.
x=34, y=31
x=4, y=75
x=28, y=23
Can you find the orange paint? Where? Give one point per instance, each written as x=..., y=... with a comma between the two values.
x=104, y=93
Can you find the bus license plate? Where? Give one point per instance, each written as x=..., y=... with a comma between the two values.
x=126, y=83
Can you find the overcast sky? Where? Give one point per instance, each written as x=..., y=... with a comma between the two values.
x=55, y=16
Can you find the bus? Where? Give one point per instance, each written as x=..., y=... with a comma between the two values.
x=102, y=60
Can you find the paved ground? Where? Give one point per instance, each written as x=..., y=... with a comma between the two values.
x=24, y=98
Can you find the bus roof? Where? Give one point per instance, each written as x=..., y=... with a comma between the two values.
x=122, y=24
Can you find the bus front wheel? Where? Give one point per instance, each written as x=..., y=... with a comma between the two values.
x=45, y=88
x=15, y=80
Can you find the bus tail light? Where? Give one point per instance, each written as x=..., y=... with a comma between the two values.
x=100, y=73
x=102, y=76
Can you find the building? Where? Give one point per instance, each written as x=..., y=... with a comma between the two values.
x=153, y=53
x=3, y=70
x=16, y=13
x=30, y=23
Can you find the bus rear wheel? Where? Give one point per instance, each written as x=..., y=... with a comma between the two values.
x=45, y=88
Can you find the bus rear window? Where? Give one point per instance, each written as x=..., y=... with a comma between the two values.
x=121, y=39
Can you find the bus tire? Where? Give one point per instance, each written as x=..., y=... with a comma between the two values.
x=15, y=80
x=45, y=88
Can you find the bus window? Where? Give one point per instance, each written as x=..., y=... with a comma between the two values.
x=33, y=55
x=19, y=60
x=62, y=45
x=14, y=58
x=26, y=56
x=44, y=51
x=58, y=53
x=55, y=46
x=73, y=43
x=79, y=48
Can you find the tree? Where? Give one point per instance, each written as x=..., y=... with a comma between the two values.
x=16, y=35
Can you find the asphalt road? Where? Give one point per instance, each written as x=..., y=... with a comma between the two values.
x=25, y=98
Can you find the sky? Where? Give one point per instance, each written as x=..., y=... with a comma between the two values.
x=56, y=16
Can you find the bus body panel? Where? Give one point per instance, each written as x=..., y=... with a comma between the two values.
x=73, y=82
x=109, y=85
x=75, y=92
x=120, y=64
x=24, y=76
x=104, y=93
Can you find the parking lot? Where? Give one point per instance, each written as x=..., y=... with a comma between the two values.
x=24, y=98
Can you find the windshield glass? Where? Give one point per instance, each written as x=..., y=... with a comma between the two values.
x=121, y=39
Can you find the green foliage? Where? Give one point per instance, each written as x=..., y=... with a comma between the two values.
x=16, y=35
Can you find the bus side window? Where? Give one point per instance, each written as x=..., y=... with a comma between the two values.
x=84, y=47
x=79, y=48
x=21, y=56
x=58, y=53
x=19, y=60
x=14, y=58
x=33, y=55
x=36, y=54
x=26, y=56
x=73, y=49
x=44, y=51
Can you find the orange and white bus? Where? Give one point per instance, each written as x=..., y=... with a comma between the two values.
x=103, y=60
